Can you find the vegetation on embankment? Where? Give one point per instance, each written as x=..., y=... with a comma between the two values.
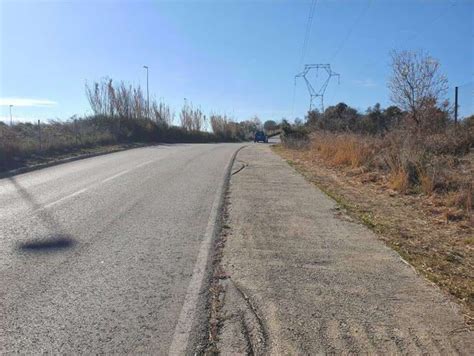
x=121, y=118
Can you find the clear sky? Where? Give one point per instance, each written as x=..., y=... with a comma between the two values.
x=234, y=57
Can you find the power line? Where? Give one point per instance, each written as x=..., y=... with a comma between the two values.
x=293, y=100
x=304, y=49
x=412, y=37
x=466, y=84
x=351, y=29
x=441, y=15
x=307, y=35
x=332, y=97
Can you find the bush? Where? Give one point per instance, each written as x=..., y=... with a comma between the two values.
x=25, y=140
x=294, y=136
x=226, y=129
x=412, y=162
x=345, y=149
x=422, y=157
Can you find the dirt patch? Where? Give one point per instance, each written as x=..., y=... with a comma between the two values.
x=216, y=288
x=234, y=324
x=433, y=238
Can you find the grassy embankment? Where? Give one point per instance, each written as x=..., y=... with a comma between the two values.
x=122, y=119
x=27, y=144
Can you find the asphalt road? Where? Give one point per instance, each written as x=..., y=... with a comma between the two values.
x=102, y=255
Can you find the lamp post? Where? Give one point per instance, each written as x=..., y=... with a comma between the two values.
x=147, y=94
x=11, y=120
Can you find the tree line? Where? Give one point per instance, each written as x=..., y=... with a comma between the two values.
x=417, y=91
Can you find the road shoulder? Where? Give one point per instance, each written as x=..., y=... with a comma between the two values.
x=301, y=277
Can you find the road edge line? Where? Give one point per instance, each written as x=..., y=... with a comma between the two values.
x=180, y=341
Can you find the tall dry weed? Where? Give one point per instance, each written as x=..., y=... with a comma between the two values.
x=412, y=163
x=344, y=149
x=399, y=181
x=426, y=182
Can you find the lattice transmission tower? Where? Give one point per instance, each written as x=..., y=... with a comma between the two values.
x=308, y=78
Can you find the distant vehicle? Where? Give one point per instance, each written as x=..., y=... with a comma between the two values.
x=260, y=137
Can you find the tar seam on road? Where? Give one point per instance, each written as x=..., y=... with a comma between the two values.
x=243, y=165
x=183, y=327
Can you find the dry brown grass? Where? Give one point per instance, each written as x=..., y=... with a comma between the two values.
x=343, y=149
x=26, y=143
x=409, y=165
x=399, y=181
x=426, y=183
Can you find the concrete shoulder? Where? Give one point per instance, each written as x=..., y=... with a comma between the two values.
x=305, y=279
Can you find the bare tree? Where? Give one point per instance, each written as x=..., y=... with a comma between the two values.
x=161, y=113
x=123, y=103
x=197, y=119
x=94, y=95
x=113, y=100
x=257, y=122
x=186, y=117
x=138, y=103
x=219, y=124
x=416, y=82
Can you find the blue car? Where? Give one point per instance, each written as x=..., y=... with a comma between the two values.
x=260, y=137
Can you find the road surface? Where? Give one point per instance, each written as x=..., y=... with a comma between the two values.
x=105, y=255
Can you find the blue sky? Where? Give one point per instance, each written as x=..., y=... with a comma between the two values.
x=233, y=57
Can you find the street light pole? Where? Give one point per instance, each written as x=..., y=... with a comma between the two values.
x=147, y=94
x=11, y=120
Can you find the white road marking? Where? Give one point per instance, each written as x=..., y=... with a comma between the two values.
x=103, y=181
x=127, y=170
x=182, y=330
x=144, y=163
x=186, y=317
x=116, y=175
x=64, y=198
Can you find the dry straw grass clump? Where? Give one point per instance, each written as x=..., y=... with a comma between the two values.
x=411, y=163
x=399, y=181
x=345, y=149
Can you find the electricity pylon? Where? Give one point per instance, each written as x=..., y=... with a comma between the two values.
x=313, y=94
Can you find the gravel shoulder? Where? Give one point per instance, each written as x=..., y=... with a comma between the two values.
x=301, y=277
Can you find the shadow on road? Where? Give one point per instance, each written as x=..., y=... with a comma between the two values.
x=56, y=239
x=51, y=243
